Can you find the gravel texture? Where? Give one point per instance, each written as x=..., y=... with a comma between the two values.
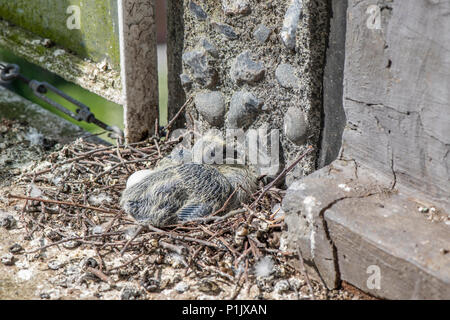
x=219, y=263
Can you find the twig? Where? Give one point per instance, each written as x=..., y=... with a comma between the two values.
x=238, y=287
x=100, y=275
x=182, y=237
x=137, y=232
x=281, y=175
x=177, y=249
x=63, y=203
x=225, y=205
x=126, y=263
x=305, y=273
x=73, y=239
x=178, y=113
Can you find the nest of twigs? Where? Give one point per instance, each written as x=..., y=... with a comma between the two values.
x=73, y=201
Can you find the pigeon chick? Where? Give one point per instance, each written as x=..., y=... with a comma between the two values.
x=182, y=192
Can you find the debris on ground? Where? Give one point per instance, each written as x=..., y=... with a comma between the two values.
x=70, y=235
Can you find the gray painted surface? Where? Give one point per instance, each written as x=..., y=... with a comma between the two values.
x=175, y=40
x=364, y=209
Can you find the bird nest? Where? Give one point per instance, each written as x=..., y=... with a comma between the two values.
x=72, y=202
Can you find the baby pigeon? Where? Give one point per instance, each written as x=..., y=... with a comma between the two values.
x=175, y=191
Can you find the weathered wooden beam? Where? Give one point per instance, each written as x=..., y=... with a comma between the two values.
x=175, y=41
x=377, y=217
x=139, y=71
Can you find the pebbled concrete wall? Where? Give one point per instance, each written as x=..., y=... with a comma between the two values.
x=251, y=64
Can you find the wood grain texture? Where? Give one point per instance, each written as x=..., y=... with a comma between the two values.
x=139, y=68
x=394, y=237
x=362, y=210
x=345, y=219
x=397, y=94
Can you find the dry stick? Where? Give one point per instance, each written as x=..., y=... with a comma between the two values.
x=191, y=259
x=64, y=203
x=82, y=156
x=110, y=223
x=100, y=275
x=177, y=249
x=228, y=215
x=138, y=231
x=243, y=255
x=139, y=151
x=238, y=287
x=281, y=175
x=305, y=274
x=71, y=239
x=221, y=239
x=121, y=158
x=126, y=263
x=227, y=245
x=124, y=163
x=223, y=274
x=157, y=147
x=181, y=237
x=178, y=113
x=225, y=205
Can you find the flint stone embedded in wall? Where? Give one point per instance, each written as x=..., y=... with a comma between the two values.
x=198, y=61
x=209, y=47
x=285, y=75
x=262, y=33
x=197, y=11
x=234, y=7
x=250, y=49
x=244, y=69
x=225, y=29
x=186, y=81
x=295, y=126
x=211, y=105
x=244, y=108
x=290, y=23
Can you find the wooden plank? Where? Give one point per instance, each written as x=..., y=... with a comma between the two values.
x=348, y=222
x=397, y=93
x=390, y=236
x=83, y=72
x=137, y=31
x=86, y=27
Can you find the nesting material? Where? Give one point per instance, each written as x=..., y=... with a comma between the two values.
x=81, y=219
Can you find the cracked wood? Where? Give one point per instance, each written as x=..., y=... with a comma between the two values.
x=139, y=68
